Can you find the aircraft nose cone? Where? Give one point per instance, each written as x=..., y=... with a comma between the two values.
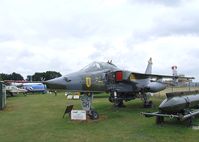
x=56, y=83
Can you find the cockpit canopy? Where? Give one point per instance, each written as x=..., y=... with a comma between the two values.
x=97, y=66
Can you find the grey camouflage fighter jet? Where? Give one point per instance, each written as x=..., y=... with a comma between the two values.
x=122, y=85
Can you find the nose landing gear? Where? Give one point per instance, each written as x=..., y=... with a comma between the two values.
x=87, y=105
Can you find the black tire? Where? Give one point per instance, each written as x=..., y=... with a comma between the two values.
x=148, y=104
x=94, y=115
x=159, y=119
x=119, y=103
x=189, y=122
x=110, y=99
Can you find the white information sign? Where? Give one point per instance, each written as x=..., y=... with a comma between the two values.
x=78, y=115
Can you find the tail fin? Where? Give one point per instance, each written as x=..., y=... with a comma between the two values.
x=174, y=70
x=175, y=74
x=149, y=67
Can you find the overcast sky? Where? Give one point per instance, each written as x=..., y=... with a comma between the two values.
x=66, y=35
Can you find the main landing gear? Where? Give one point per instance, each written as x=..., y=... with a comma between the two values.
x=159, y=120
x=86, y=100
x=116, y=99
x=147, y=103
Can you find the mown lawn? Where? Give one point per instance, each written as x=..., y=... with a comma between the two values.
x=38, y=118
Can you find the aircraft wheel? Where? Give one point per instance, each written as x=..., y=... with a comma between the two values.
x=159, y=119
x=189, y=121
x=110, y=99
x=148, y=104
x=93, y=115
x=119, y=103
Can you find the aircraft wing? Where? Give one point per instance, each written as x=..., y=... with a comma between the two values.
x=169, y=76
x=121, y=75
x=157, y=76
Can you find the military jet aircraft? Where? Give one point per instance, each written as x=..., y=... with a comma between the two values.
x=122, y=85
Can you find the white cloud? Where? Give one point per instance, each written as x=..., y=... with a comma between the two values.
x=67, y=35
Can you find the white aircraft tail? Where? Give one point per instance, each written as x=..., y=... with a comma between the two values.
x=149, y=67
x=174, y=71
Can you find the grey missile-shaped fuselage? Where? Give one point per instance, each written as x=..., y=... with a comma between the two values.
x=179, y=103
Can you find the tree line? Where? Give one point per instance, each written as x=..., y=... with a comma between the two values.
x=13, y=76
x=42, y=76
x=38, y=76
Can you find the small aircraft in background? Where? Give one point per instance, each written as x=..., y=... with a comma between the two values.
x=14, y=90
x=35, y=87
x=20, y=86
x=122, y=85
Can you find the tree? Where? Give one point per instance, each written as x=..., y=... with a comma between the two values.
x=16, y=76
x=51, y=75
x=41, y=76
x=4, y=76
x=13, y=76
x=38, y=76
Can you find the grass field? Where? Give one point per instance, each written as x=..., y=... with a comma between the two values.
x=38, y=118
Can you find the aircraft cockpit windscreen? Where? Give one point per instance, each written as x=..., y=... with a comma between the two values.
x=97, y=66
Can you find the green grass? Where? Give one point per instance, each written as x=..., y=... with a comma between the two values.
x=36, y=118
